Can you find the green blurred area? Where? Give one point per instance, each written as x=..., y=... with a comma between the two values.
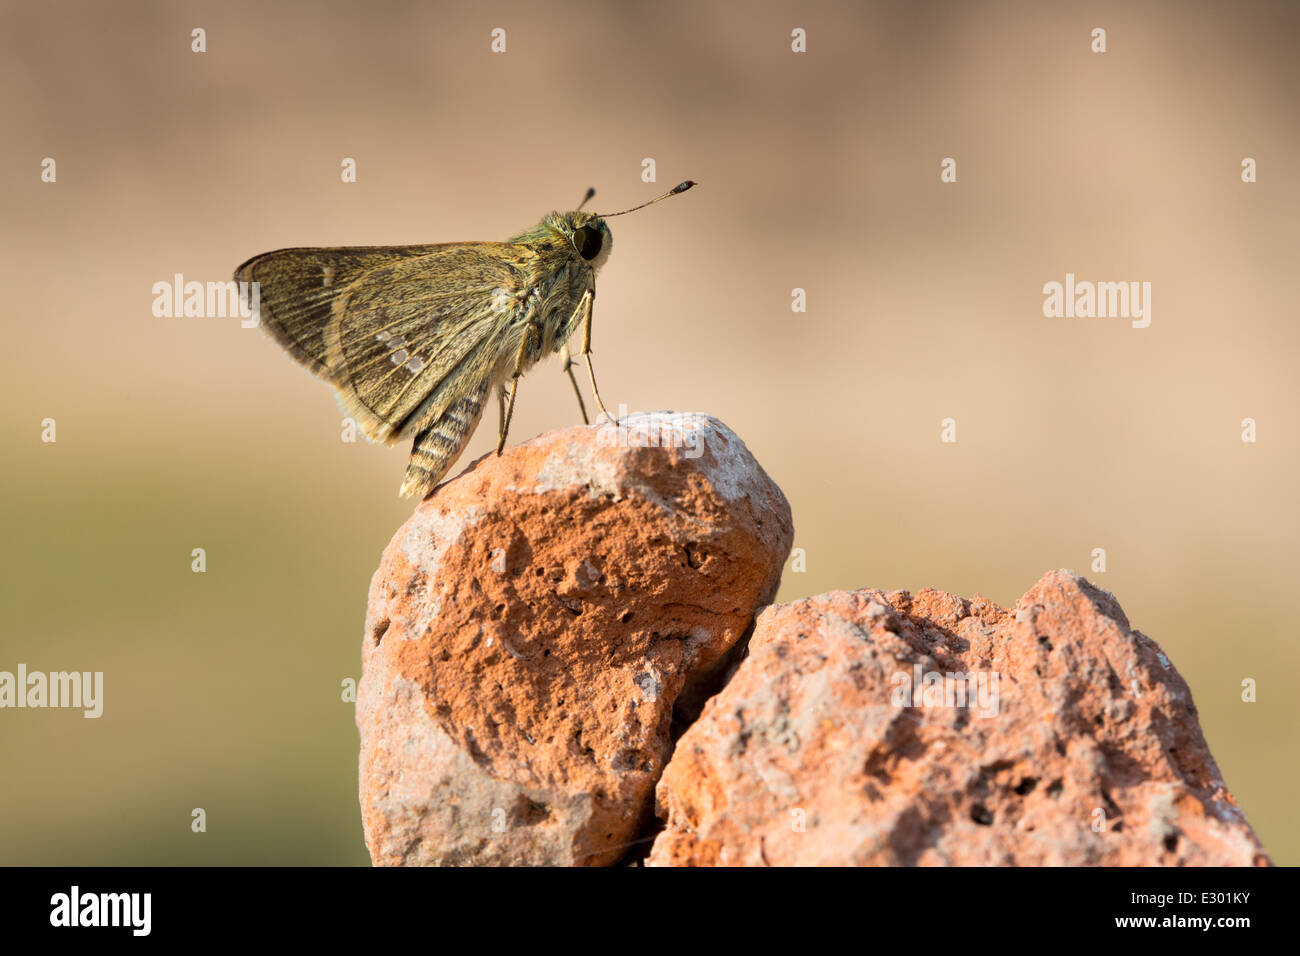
x=222, y=689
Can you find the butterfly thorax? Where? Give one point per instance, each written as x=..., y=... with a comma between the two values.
x=567, y=250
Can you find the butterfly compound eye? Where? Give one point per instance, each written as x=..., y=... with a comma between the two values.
x=587, y=241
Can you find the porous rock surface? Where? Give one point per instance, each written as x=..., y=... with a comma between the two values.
x=535, y=624
x=841, y=740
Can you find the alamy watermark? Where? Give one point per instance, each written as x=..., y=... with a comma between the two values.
x=37, y=689
x=976, y=690
x=208, y=300
x=129, y=910
x=654, y=430
x=1098, y=300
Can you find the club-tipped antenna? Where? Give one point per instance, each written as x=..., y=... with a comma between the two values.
x=679, y=188
x=591, y=191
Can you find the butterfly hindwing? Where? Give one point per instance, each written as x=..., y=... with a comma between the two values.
x=412, y=337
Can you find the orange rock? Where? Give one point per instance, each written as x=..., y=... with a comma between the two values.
x=874, y=728
x=533, y=627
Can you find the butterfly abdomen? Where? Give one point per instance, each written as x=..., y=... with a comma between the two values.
x=437, y=447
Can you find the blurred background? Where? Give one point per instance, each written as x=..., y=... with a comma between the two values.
x=818, y=171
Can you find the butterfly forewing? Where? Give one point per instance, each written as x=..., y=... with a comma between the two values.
x=298, y=289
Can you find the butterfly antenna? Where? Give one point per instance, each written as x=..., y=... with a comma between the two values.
x=590, y=192
x=679, y=188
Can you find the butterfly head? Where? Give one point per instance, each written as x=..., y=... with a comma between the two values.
x=585, y=234
x=588, y=236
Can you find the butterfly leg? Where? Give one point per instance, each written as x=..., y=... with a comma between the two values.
x=568, y=368
x=588, y=298
x=532, y=339
x=501, y=412
x=509, y=411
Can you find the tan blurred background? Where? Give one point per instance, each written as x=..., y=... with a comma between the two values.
x=818, y=171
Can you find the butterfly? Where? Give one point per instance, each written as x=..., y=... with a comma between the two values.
x=414, y=338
